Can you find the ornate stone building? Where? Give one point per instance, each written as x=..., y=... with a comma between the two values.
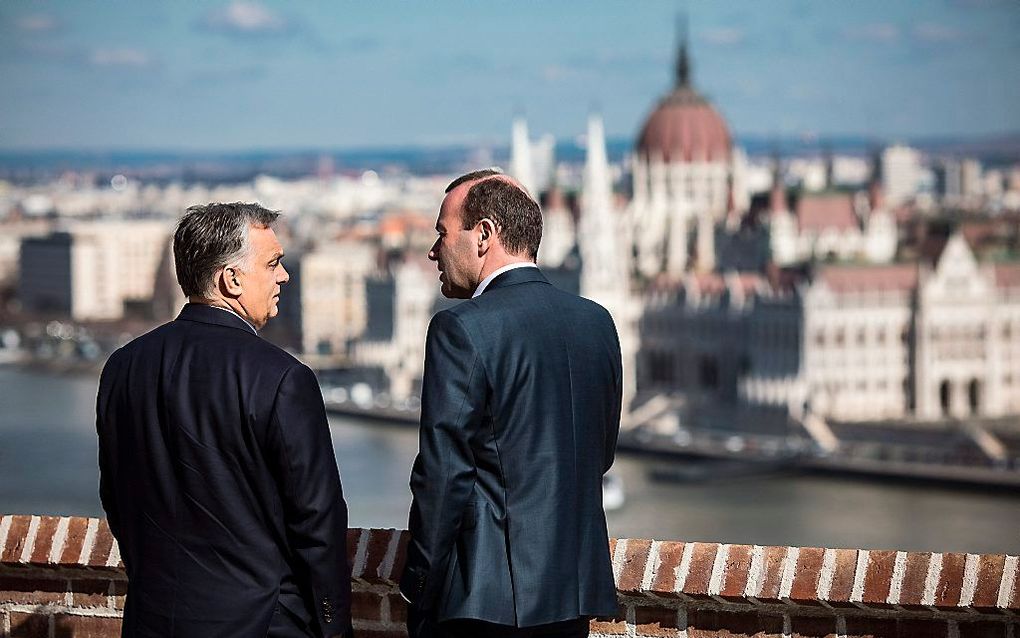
x=687, y=176
x=928, y=340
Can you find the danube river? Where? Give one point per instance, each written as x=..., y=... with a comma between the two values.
x=48, y=466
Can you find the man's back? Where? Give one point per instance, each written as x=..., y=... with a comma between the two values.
x=212, y=449
x=532, y=547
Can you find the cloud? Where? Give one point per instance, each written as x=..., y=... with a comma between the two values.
x=876, y=32
x=723, y=36
x=556, y=73
x=120, y=58
x=242, y=18
x=37, y=23
x=934, y=32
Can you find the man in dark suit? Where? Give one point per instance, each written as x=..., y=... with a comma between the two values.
x=520, y=413
x=217, y=471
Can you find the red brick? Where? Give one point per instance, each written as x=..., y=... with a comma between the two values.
x=16, y=539
x=44, y=540
x=91, y=592
x=76, y=531
x=656, y=621
x=68, y=626
x=989, y=577
x=947, y=594
x=400, y=559
x=398, y=608
x=983, y=629
x=366, y=605
x=843, y=578
x=604, y=627
x=32, y=591
x=862, y=627
x=709, y=623
x=611, y=625
x=878, y=578
x=772, y=577
x=633, y=569
x=612, y=548
x=804, y=589
x=810, y=627
x=353, y=535
x=102, y=546
x=1014, y=602
x=378, y=542
x=914, y=578
x=664, y=581
x=699, y=576
x=120, y=588
x=738, y=567
x=29, y=625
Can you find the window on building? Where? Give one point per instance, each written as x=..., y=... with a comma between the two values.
x=708, y=372
x=944, y=396
x=974, y=396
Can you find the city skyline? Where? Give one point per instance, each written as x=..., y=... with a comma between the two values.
x=246, y=75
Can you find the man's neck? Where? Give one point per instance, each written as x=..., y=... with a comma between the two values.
x=524, y=263
x=492, y=266
x=225, y=304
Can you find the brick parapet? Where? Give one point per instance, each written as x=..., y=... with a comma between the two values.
x=62, y=576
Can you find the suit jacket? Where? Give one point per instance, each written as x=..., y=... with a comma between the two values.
x=219, y=481
x=520, y=414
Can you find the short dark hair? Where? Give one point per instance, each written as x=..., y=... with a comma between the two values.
x=516, y=214
x=212, y=236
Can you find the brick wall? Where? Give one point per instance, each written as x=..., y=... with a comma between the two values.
x=61, y=577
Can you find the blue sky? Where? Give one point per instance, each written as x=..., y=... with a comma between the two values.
x=264, y=75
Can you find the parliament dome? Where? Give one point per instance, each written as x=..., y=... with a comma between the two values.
x=684, y=127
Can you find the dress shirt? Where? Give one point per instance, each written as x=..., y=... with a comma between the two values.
x=499, y=271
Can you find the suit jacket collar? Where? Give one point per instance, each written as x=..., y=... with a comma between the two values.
x=516, y=276
x=204, y=313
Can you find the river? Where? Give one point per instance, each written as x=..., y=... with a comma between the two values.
x=48, y=466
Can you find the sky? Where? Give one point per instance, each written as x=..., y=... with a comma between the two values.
x=234, y=76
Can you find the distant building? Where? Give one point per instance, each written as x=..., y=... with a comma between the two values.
x=401, y=306
x=328, y=304
x=89, y=271
x=827, y=226
x=901, y=173
x=687, y=177
x=12, y=234
x=559, y=234
x=924, y=340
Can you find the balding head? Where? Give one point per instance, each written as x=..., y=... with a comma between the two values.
x=515, y=214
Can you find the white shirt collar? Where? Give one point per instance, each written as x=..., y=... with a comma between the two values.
x=231, y=311
x=499, y=271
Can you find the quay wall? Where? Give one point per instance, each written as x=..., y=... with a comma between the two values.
x=62, y=577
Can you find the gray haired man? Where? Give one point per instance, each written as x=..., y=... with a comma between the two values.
x=217, y=471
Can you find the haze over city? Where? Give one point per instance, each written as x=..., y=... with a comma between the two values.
x=801, y=216
x=249, y=75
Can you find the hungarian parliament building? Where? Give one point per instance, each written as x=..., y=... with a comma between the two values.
x=813, y=302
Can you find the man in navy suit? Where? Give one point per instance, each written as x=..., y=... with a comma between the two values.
x=217, y=471
x=520, y=412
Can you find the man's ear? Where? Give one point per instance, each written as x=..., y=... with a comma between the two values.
x=486, y=235
x=230, y=281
